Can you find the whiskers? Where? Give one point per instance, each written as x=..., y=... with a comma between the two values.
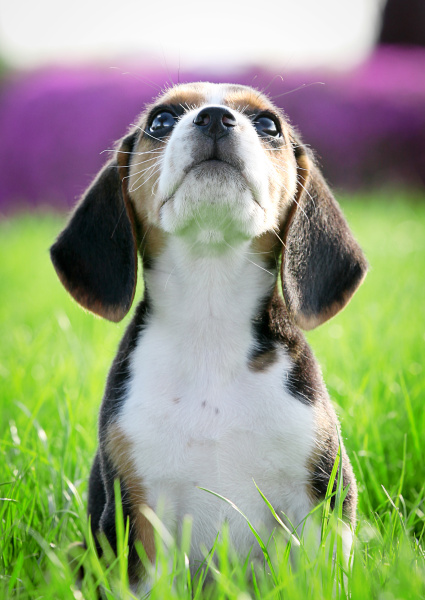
x=265, y=88
x=164, y=142
x=300, y=87
x=115, y=151
x=152, y=159
x=282, y=169
x=279, y=238
x=145, y=175
x=145, y=80
x=249, y=260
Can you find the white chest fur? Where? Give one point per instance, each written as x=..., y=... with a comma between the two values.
x=197, y=416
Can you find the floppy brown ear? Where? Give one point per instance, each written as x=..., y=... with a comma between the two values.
x=322, y=264
x=95, y=256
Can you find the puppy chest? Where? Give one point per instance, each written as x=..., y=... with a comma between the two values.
x=220, y=439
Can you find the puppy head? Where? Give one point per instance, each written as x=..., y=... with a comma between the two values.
x=215, y=165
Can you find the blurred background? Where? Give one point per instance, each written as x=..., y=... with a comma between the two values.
x=350, y=75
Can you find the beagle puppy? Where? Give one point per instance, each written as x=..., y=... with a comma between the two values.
x=214, y=385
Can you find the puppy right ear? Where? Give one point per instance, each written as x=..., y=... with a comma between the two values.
x=322, y=264
x=95, y=256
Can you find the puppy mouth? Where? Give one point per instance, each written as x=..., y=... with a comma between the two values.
x=213, y=164
x=212, y=160
x=218, y=164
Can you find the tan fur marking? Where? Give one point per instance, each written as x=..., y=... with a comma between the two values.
x=268, y=247
x=190, y=95
x=119, y=450
x=324, y=422
x=153, y=240
x=321, y=419
x=238, y=99
x=263, y=361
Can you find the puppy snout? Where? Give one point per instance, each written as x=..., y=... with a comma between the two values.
x=215, y=121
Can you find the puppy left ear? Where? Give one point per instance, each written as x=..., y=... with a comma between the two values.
x=95, y=256
x=322, y=264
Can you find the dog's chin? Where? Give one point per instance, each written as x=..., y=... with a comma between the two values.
x=213, y=206
x=218, y=175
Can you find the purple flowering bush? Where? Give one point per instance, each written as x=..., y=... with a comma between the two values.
x=367, y=126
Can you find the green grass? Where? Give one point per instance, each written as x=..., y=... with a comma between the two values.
x=53, y=364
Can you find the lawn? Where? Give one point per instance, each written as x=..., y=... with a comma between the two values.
x=54, y=358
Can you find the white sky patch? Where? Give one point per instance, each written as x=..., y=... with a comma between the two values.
x=221, y=33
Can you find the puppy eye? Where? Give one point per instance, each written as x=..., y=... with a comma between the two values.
x=266, y=126
x=162, y=123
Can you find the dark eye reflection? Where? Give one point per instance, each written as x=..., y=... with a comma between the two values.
x=266, y=126
x=162, y=123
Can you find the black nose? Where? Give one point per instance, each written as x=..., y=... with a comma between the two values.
x=215, y=121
